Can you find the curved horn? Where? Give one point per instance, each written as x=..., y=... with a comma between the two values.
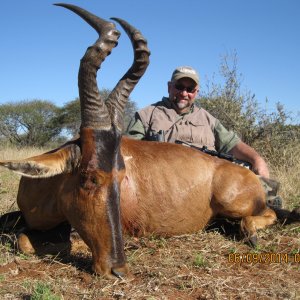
x=119, y=96
x=94, y=113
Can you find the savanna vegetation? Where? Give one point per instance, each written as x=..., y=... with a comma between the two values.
x=41, y=123
x=204, y=265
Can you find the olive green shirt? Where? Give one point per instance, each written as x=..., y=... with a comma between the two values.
x=197, y=127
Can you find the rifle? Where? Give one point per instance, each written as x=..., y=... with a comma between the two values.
x=222, y=155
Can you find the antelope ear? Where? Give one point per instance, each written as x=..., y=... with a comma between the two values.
x=58, y=161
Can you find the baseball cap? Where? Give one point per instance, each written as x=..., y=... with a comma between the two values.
x=185, y=71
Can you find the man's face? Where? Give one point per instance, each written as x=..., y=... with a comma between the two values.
x=182, y=94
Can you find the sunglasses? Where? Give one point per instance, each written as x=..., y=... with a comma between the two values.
x=181, y=88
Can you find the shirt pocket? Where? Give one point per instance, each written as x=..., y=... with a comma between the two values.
x=201, y=135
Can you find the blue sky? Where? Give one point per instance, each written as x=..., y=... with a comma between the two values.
x=41, y=46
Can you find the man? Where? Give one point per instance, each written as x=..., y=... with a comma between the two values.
x=177, y=118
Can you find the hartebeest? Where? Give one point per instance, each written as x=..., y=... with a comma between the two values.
x=104, y=184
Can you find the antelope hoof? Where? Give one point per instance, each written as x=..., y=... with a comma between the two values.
x=112, y=273
x=24, y=244
x=120, y=272
x=253, y=241
x=296, y=213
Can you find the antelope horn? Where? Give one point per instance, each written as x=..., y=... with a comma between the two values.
x=118, y=98
x=94, y=113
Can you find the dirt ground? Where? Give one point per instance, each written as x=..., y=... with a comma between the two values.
x=211, y=264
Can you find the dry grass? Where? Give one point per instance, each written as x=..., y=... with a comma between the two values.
x=192, y=266
x=288, y=174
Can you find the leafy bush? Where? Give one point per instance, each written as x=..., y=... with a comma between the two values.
x=271, y=134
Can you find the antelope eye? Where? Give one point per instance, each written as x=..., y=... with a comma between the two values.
x=97, y=179
x=86, y=180
x=89, y=183
x=94, y=180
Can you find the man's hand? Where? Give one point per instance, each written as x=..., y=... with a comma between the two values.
x=260, y=167
x=244, y=152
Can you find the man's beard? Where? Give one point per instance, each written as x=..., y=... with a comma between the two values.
x=180, y=104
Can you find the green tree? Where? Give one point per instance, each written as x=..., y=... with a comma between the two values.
x=130, y=109
x=30, y=123
x=70, y=116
